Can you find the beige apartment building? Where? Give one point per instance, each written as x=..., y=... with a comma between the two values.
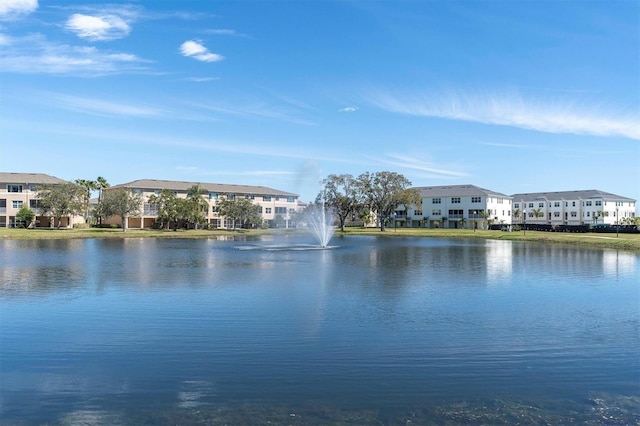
x=21, y=189
x=272, y=202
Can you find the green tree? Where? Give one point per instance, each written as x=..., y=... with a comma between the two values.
x=340, y=193
x=195, y=206
x=66, y=199
x=384, y=192
x=240, y=209
x=88, y=185
x=462, y=221
x=486, y=215
x=537, y=213
x=516, y=214
x=167, y=205
x=122, y=202
x=25, y=216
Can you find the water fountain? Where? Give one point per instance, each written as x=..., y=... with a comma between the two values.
x=320, y=223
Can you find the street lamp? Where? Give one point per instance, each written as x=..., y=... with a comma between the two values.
x=475, y=214
x=524, y=221
x=617, y=222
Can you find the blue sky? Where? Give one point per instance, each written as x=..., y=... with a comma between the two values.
x=513, y=96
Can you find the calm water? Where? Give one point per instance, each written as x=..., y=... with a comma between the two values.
x=143, y=330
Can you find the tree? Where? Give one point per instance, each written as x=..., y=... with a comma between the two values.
x=101, y=184
x=88, y=185
x=167, y=205
x=340, y=193
x=462, y=221
x=240, y=209
x=516, y=214
x=25, y=216
x=66, y=199
x=196, y=206
x=486, y=215
x=384, y=192
x=538, y=213
x=122, y=202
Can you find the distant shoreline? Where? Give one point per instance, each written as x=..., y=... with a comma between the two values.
x=629, y=242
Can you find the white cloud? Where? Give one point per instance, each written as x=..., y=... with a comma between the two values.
x=196, y=50
x=98, y=28
x=348, y=109
x=202, y=79
x=13, y=9
x=36, y=55
x=414, y=164
x=107, y=108
x=224, y=31
x=511, y=109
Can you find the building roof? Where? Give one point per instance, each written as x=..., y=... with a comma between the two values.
x=584, y=194
x=29, y=178
x=222, y=188
x=457, y=190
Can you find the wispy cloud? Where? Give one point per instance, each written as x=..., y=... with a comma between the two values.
x=15, y=9
x=202, y=79
x=106, y=108
x=348, y=109
x=511, y=109
x=196, y=50
x=257, y=110
x=34, y=54
x=98, y=28
x=225, y=32
x=417, y=165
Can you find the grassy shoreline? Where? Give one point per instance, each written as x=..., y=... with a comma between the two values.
x=621, y=242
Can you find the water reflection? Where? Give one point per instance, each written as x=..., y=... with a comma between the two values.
x=92, y=329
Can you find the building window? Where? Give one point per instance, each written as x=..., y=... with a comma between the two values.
x=598, y=203
x=267, y=210
x=281, y=210
x=417, y=212
x=588, y=203
x=437, y=201
x=291, y=199
x=556, y=204
x=231, y=197
x=556, y=214
x=574, y=214
x=260, y=209
x=573, y=204
x=540, y=205
x=266, y=198
x=16, y=204
x=476, y=199
x=455, y=200
x=213, y=196
x=530, y=205
x=436, y=212
x=214, y=209
x=516, y=205
x=588, y=214
x=14, y=188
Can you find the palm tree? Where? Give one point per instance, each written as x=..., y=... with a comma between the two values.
x=100, y=184
x=88, y=185
x=516, y=214
x=198, y=206
x=485, y=215
x=462, y=221
x=538, y=213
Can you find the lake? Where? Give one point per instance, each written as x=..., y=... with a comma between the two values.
x=374, y=330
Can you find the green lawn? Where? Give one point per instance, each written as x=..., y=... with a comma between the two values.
x=623, y=241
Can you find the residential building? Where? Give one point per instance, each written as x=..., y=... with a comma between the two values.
x=272, y=202
x=582, y=207
x=456, y=206
x=21, y=189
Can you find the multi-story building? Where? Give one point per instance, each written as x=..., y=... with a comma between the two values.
x=21, y=189
x=457, y=206
x=583, y=207
x=273, y=203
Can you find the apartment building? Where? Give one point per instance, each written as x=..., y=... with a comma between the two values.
x=456, y=206
x=581, y=207
x=272, y=202
x=21, y=189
